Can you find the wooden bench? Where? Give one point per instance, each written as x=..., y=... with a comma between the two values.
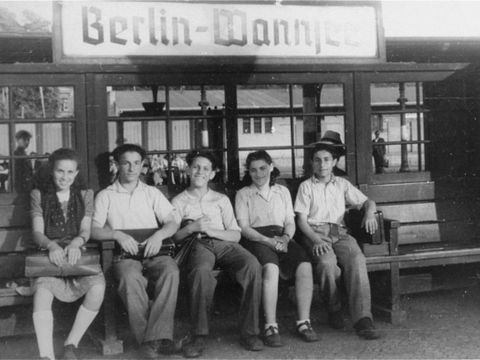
x=429, y=235
x=15, y=241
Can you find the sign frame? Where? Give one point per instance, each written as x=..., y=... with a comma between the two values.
x=59, y=55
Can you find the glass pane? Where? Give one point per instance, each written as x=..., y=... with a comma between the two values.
x=41, y=102
x=265, y=96
x=389, y=94
x=389, y=128
x=181, y=135
x=400, y=158
x=331, y=95
x=282, y=160
x=4, y=140
x=135, y=100
x=5, y=174
x=190, y=98
x=157, y=135
x=278, y=134
x=132, y=132
x=4, y=113
x=42, y=138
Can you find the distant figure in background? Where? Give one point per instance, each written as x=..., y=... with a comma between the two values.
x=22, y=167
x=378, y=152
x=3, y=176
x=180, y=166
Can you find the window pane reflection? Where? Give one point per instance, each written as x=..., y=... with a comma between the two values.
x=4, y=113
x=41, y=102
x=42, y=138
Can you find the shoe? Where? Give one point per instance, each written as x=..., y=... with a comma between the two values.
x=195, y=348
x=306, y=332
x=271, y=337
x=149, y=350
x=251, y=343
x=69, y=352
x=366, y=330
x=168, y=347
x=335, y=320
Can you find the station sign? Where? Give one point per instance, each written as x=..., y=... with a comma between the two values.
x=107, y=31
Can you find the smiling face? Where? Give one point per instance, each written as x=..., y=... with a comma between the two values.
x=323, y=164
x=129, y=167
x=64, y=174
x=201, y=172
x=260, y=172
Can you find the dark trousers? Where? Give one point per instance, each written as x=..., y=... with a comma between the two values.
x=206, y=253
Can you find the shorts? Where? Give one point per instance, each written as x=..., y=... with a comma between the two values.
x=287, y=262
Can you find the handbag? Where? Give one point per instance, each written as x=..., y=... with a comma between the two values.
x=140, y=235
x=38, y=264
x=385, y=161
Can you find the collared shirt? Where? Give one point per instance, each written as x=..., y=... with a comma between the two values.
x=274, y=207
x=326, y=203
x=213, y=204
x=146, y=207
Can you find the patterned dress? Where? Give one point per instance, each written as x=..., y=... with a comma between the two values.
x=62, y=222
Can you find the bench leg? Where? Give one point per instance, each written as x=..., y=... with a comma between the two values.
x=110, y=343
x=391, y=309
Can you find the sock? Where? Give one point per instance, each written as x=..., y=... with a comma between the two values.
x=82, y=321
x=275, y=325
x=303, y=324
x=43, y=324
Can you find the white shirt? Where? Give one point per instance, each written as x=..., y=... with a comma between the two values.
x=271, y=208
x=326, y=203
x=213, y=204
x=145, y=208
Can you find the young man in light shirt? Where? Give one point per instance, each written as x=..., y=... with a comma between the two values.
x=212, y=222
x=320, y=207
x=130, y=204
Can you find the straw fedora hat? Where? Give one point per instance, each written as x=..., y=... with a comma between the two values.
x=330, y=141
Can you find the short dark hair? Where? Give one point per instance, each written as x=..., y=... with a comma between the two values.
x=332, y=149
x=192, y=155
x=122, y=149
x=23, y=134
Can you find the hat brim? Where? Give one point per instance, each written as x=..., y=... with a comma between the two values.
x=338, y=149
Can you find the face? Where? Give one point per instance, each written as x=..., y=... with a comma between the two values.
x=64, y=174
x=129, y=167
x=323, y=164
x=23, y=142
x=260, y=172
x=201, y=172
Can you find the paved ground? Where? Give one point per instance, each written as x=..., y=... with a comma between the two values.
x=440, y=325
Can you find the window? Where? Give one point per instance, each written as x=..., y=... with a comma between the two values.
x=284, y=110
x=257, y=125
x=167, y=121
x=246, y=126
x=32, y=125
x=268, y=125
x=398, y=127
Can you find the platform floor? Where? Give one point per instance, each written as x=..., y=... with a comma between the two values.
x=440, y=325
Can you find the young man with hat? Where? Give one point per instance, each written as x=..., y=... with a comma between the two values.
x=320, y=207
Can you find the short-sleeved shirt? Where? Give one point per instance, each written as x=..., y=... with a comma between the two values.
x=213, y=204
x=146, y=207
x=326, y=203
x=36, y=203
x=274, y=207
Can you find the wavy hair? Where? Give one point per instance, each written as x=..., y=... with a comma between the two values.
x=259, y=155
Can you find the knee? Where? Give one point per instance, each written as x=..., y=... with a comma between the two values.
x=357, y=260
x=304, y=271
x=326, y=268
x=94, y=297
x=270, y=272
x=128, y=279
x=199, y=274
